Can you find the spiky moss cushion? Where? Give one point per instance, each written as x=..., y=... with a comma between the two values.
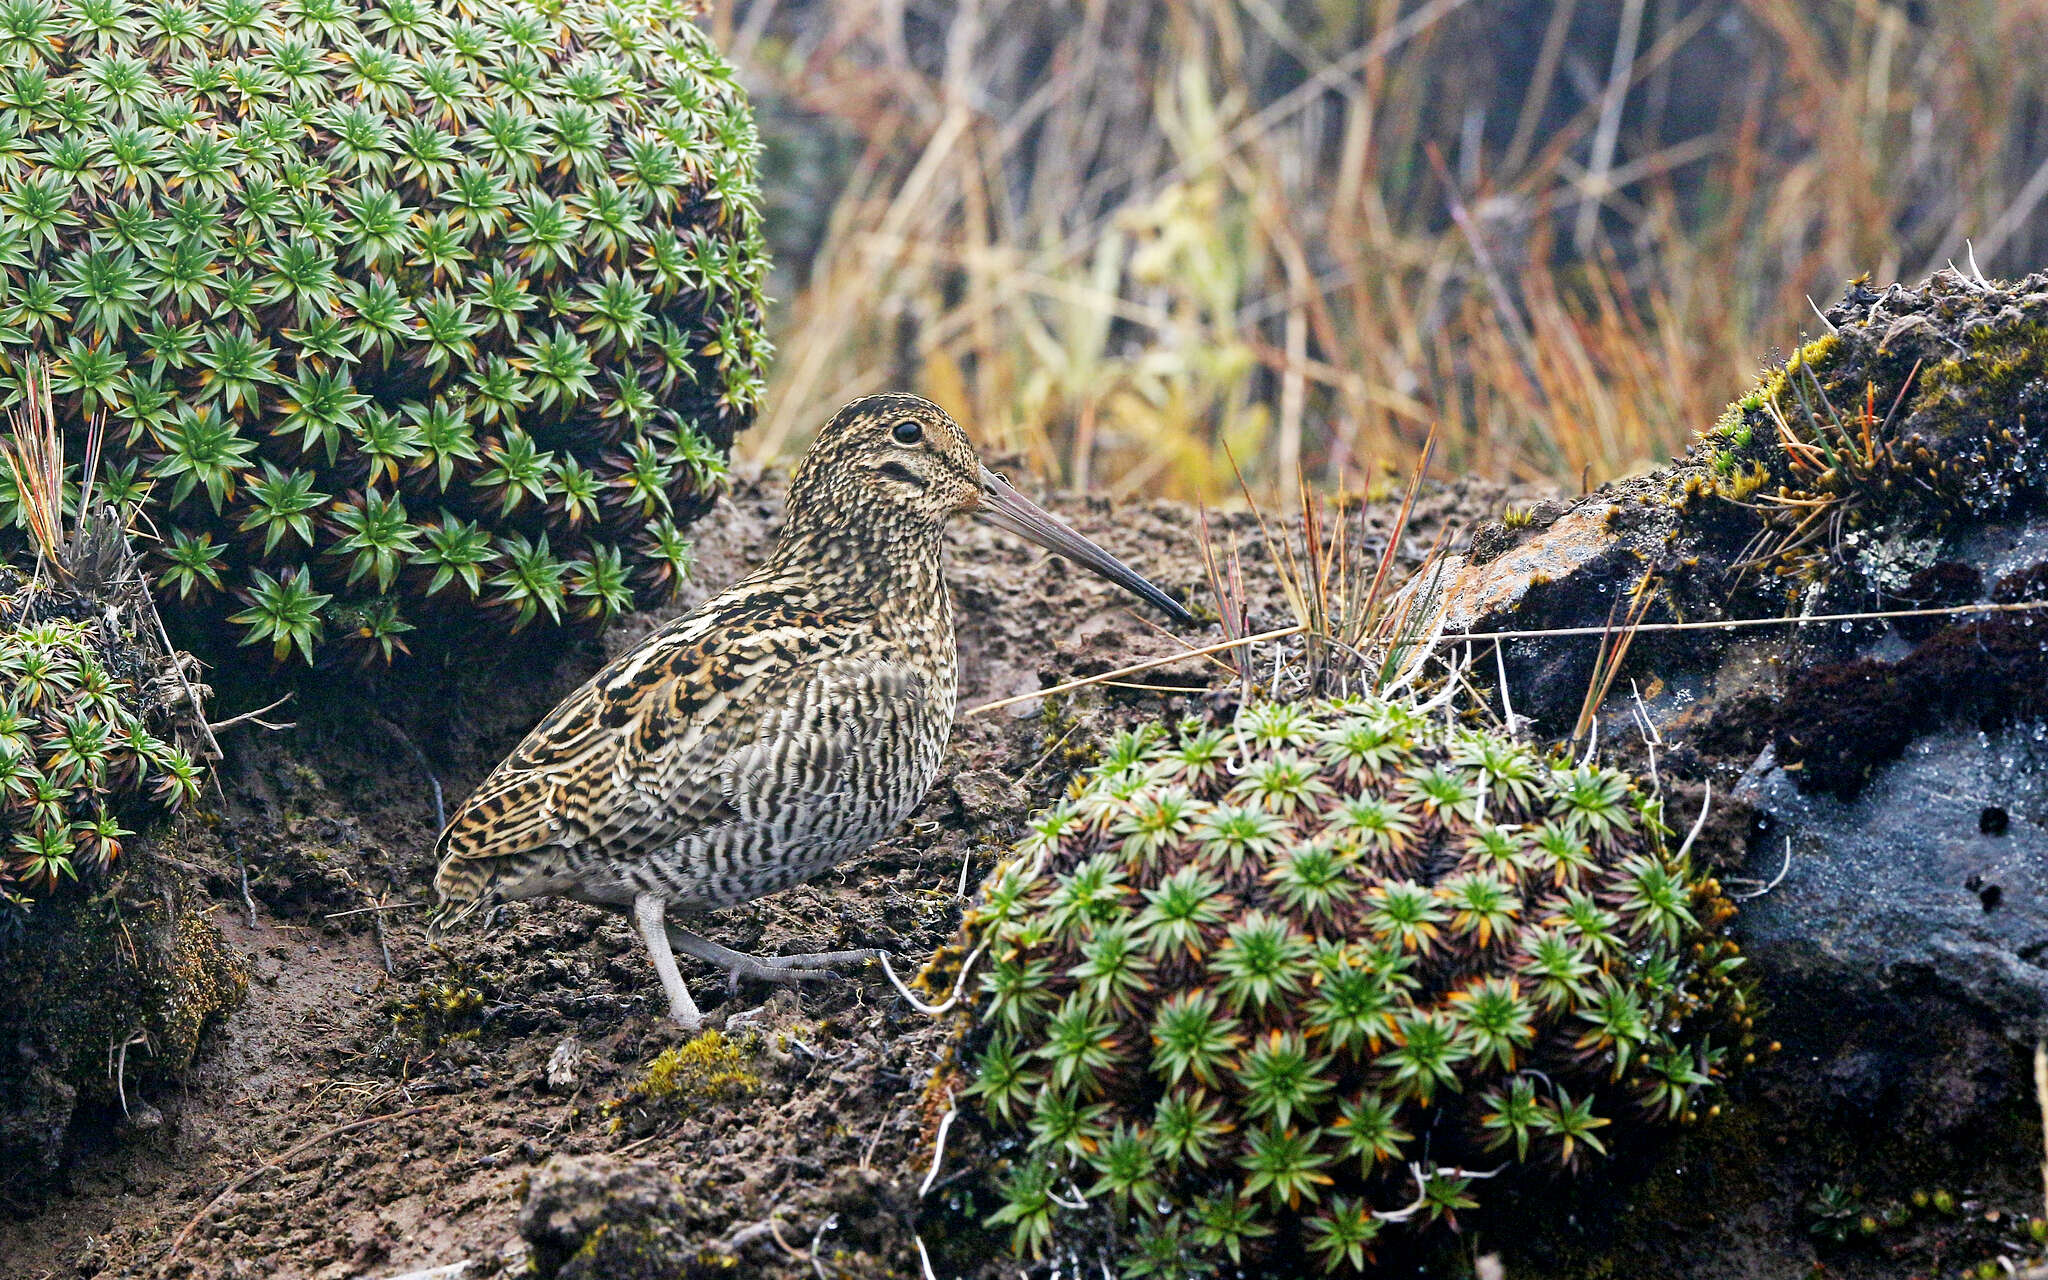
x=82, y=714
x=1287, y=986
x=393, y=309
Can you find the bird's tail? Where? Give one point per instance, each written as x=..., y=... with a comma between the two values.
x=449, y=914
x=465, y=887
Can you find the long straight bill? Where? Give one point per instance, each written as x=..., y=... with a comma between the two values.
x=1005, y=508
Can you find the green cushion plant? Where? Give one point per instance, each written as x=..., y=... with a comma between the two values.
x=1286, y=987
x=396, y=312
x=82, y=751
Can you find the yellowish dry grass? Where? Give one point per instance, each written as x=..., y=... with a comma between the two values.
x=1138, y=240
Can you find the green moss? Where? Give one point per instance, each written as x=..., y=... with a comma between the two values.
x=709, y=1068
x=1060, y=727
x=439, y=1010
x=1926, y=405
x=1963, y=394
x=622, y=1251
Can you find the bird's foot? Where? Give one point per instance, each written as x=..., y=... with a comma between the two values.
x=647, y=918
x=687, y=1016
x=810, y=967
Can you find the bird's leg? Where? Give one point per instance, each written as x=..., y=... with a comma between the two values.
x=647, y=913
x=739, y=964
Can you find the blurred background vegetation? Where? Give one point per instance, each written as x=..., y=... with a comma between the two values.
x=1138, y=239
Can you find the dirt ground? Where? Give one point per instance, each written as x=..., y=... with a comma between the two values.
x=381, y=1105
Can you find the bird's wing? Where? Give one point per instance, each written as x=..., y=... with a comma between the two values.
x=710, y=721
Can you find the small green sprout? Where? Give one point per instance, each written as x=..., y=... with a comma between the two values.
x=284, y=611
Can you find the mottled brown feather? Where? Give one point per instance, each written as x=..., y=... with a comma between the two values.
x=783, y=726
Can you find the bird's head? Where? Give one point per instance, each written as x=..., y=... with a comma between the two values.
x=900, y=464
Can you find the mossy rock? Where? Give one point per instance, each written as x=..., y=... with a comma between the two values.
x=1922, y=404
x=109, y=970
x=409, y=322
x=102, y=997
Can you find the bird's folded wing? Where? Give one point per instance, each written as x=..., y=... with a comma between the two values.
x=653, y=752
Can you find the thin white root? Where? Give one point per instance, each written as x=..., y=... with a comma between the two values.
x=939, y=1148
x=1970, y=253
x=1776, y=880
x=453, y=1271
x=817, y=1238
x=1699, y=823
x=932, y=1009
x=117, y=1063
x=1652, y=739
x=1507, y=705
x=256, y=717
x=1409, y=1210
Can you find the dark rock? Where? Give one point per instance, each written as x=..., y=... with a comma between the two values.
x=38, y=1115
x=100, y=999
x=602, y=1218
x=1901, y=890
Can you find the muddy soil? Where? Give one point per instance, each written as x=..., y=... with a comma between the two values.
x=381, y=1104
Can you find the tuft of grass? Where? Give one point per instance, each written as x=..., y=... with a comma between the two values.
x=1356, y=631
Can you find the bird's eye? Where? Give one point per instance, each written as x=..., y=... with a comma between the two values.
x=907, y=431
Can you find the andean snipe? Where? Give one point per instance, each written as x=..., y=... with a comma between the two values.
x=782, y=727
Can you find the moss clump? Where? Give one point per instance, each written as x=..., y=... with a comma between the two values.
x=397, y=313
x=1280, y=989
x=1924, y=405
x=439, y=1010
x=109, y=969
x=709, y=1068
x=102, y=994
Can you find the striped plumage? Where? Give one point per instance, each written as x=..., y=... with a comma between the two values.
x=782, y=727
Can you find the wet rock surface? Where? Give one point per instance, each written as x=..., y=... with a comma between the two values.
x=1932, y=877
